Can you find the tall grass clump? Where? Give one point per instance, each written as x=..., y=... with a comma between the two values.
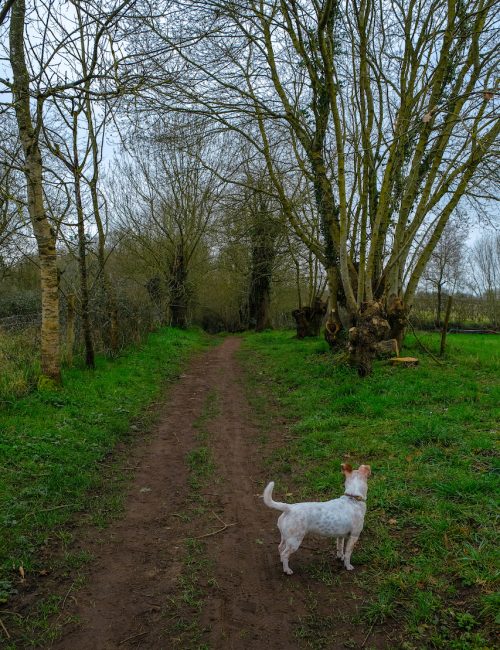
x=19, y=364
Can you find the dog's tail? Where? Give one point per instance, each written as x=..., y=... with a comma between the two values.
x=268, y=499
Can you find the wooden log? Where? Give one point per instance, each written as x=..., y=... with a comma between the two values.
x=385, y=349
x=403, y=361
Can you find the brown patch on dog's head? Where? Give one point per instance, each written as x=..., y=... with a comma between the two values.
x=365, y=469
x=346, y=468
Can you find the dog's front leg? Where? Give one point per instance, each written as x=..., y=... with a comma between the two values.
x=340, y=547
x=348, y=550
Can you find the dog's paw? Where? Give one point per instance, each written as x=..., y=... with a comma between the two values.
x=289, y=572
x=349, y=567
x=340, y=556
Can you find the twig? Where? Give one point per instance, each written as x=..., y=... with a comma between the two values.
x=5, y=629
x=134, y=636
x=366, y=637
x=426, y=350
x=6, y=611
x=220, y=530
x=35, y=512
x=66, y=596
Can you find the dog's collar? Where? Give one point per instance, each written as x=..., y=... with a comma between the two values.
x=358, y=497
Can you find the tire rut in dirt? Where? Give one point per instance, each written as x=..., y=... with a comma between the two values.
x=138, y=558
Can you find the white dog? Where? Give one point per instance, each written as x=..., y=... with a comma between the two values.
x=342, y=518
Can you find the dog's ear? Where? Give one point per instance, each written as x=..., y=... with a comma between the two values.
x=366, y=470
x=346, y=468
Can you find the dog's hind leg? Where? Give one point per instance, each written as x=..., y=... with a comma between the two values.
x=348, y=550
x=340, y=547
x=290, y=546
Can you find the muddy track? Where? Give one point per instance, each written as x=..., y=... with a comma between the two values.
x=134, y=595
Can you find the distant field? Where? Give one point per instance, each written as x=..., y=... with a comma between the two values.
x=427, y=556
x=52, y=443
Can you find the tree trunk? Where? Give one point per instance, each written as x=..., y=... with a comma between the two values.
x=33, y=171
x=309, y=319
x=70, y=329
x=263, y=236
x=371, y=328
x=438, y=307
x=259, y=299
x=178, y=292
x=82, y=253
x=397, y=316
x=109, y=295
x=259, y=304
x=333, y=330
x=333, y=326
x=445, y=325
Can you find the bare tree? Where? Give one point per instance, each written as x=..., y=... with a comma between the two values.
x=446, y=265
x=166, y=207
x=484, y=278
x=12, y=205
x=39, y=59
x=387, y=110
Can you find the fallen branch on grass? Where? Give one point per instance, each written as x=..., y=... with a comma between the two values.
x=215, y=532
x=438, y=361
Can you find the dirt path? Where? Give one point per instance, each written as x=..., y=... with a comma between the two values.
x=150, y=588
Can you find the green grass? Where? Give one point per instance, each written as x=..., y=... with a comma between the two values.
x=53, y=444
x=428, y=551
x=19, y=364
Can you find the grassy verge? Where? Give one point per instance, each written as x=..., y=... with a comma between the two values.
x=428, y=550
x=19, y=364
x=53, y=442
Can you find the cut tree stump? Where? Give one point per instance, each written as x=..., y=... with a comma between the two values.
x=387, y=348
x=404, y=361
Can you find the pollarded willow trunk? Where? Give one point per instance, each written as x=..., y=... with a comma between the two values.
x=310, y=318
x=371, y=327
x=378, y=332
x=397, y=316
x=33, y=171
x=334, y=332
